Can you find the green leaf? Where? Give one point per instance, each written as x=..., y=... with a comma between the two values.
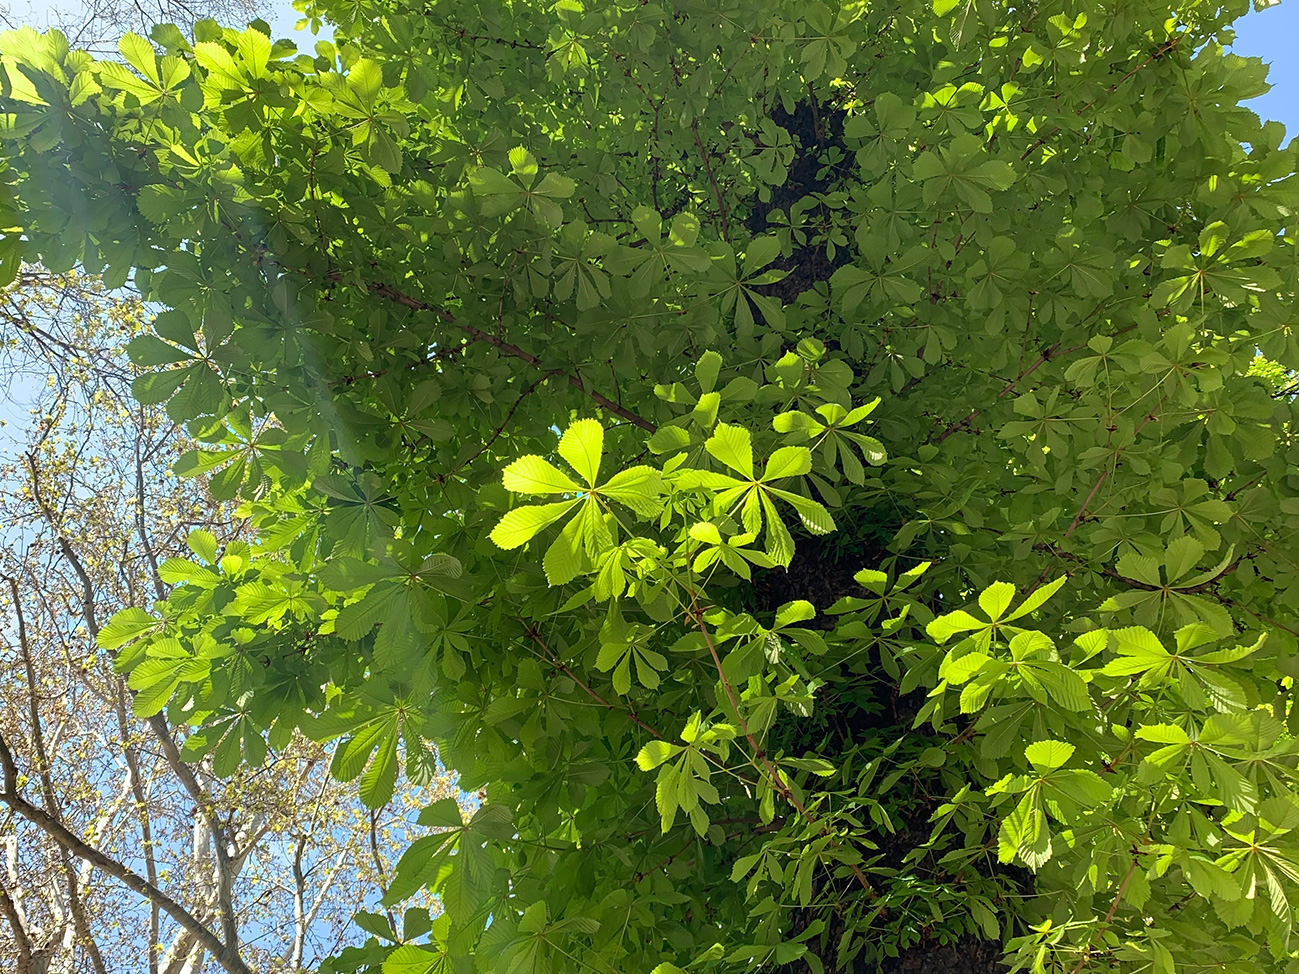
x=946, y=626
x=1037, y=598
x=147, y=351
x=533, y=475
x=380, y=778
x=1047, y=756
x=520, y=525
x=564, y=558
x=799, y=610
x=581, y=446
x=203, y=544
x=788, y=461
x=996, y=598
x=151, y=699
x=961, y=669
x=654, y=754
x=411, y=959
x=443, y=813
x=706, y=371
x=176, y=570
x=732, y=446
x=125, y=625
x=639, y=488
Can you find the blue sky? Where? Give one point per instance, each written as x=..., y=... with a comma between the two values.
x=1273, y=35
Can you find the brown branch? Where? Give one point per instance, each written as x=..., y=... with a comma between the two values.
x=559, y=663
x=430, y=359
x=1048, y=355
x=142, y=814
x=1077, y=518
x=299, y=906
x=506, y=348
x=1109, y=916
x=22, y=942
x=158, y=587
x=226, y=954
x=712, y=180
x=378, y=860
x=496, y=433
x=1164, y=49
x=1257, y=615
x=462, y=35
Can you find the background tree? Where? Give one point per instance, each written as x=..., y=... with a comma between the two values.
x=845, y=317
x=96, y=25
x=272, y=861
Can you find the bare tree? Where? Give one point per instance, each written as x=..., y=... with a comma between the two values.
x=116, y=853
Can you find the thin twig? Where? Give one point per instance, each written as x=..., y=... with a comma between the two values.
x=496, y=433
x=478, y=335
x=712, y=180
x=777, y=780
x=559, y=663
x=1109, y=916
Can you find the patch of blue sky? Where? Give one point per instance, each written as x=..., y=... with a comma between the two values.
x=1273, y=35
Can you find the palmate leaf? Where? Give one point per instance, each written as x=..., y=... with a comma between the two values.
x=378, y=736
x=638, y=488
x=732, y=445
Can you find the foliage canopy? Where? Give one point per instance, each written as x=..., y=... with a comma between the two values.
x=626, y=395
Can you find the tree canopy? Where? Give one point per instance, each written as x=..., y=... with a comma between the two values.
x=627, y=397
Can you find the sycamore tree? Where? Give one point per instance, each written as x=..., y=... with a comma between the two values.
x=823, y=470
x=127, y=844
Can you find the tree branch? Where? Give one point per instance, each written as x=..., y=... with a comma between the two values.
x=22, y=943
x=496, y=433
x=158, y=587
x=1109, y=916
x=550, y=655
x=226, y=955
x=506, y=348
x=712, y=181
x=142, y=815
x=80, y=924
